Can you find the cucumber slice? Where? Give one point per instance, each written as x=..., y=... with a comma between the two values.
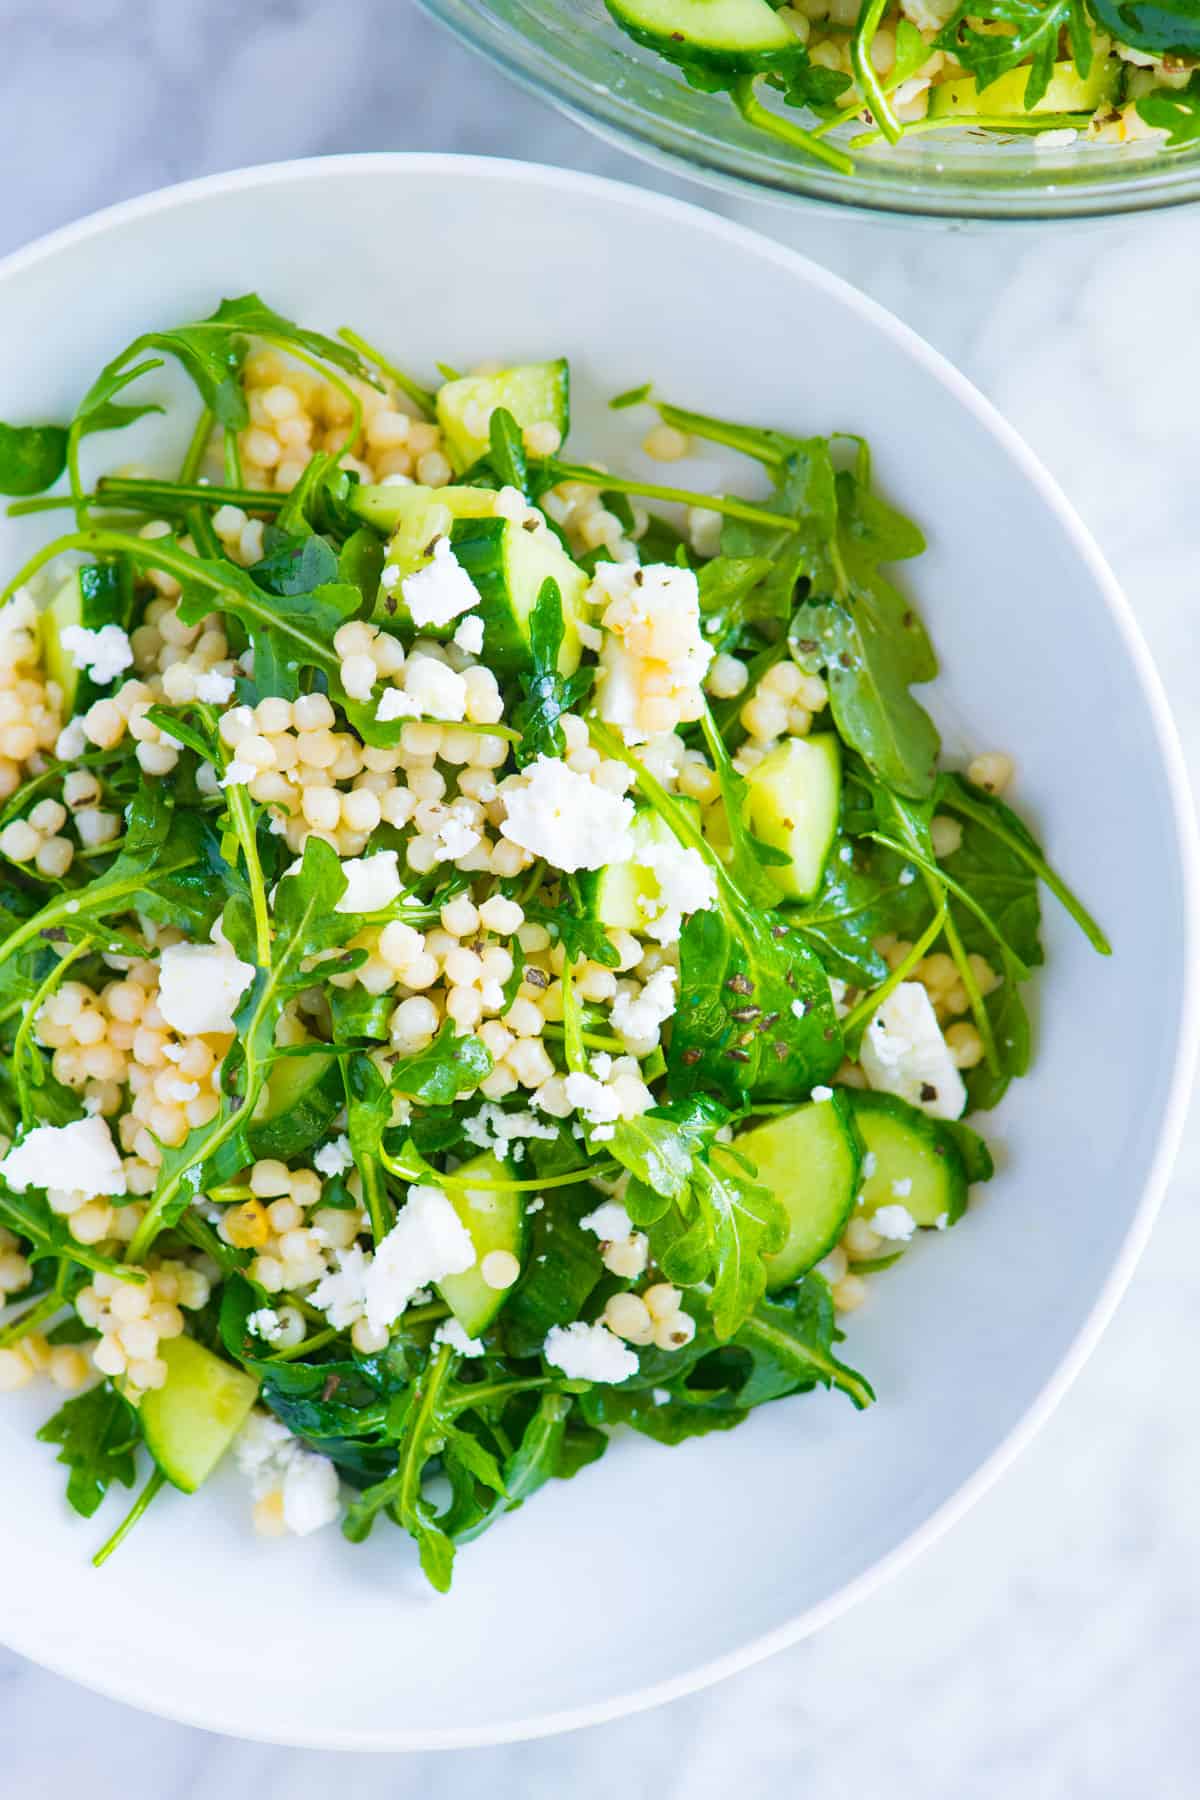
x=913, y=1152
x=302, y=1098
x=810, y=1160
x=534, y=393
x=794, y=801
x=622, y=895
x=98, y=595
x=190, y=1423
x=1068, y=92
x=736, y=36
x=509, y=565
x=495, y=1220
x=413, y=517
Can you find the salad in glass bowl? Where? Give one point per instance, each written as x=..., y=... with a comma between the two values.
x=490, y=953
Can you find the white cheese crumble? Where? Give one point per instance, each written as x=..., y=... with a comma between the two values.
x=237, y=774
x=560, y=815
x=440, y=591
x=334, y=1158
x=104, y=653
x=610, y=1222
x=342, y=1294
x=598, y=1104
x=821, y=1093
x=428, y=1241
x=491, y=1128
x=904, y=1053
x=372, y=882
x=431, y=690
x=902, y=1188
x=469, y=636
x=895, y=1223
x=79, y=1158
x=686, y=885
x=456, y=835
x=638, y=1019
x=265, y=1324
x=451, y=1332
x=275, y=1461
x=199, y=986
x=589, y=1353
x=654, y=657
x=214, y=688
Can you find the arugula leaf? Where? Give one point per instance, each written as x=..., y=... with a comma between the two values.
x=1033, y=38
x=791, y=1339
x=506, y=451
x=29, y=1215
x=32, y=457
x=1175, y=111
x=212, y=351
x=450, y=1066
x=548, y=695
x=305, y=924
x=294, y=565
x=1012, y=1044
x=659, y=1147
x=1159, y=27
x=743, y=1222
x=98, y=1433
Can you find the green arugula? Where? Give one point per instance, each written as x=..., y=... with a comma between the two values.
x=98, y=1433
x=547, y=694
x=1175, y=111
x=1035, y=27
x=32, y=457
x=1159, y=27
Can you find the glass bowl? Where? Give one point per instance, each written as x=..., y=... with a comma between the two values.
x=570, y=52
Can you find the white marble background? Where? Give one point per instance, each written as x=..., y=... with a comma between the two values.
x=1047, y=1649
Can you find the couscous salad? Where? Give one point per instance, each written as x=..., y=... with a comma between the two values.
x=488, y=950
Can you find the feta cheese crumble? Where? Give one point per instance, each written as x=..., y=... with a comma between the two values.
x=560, y=815
x=469, y=636
x=427, y=1241
x=598, y=1104
x=440, y=591
x=610, y=1222
x=589, y=1353
x=639, y=1018
x=276, y=1462
x=79, y=1158
x=334, y=1158
x=104, y=654
x=654, y=656
x=451, y=1332
x=372, y=882
x=213, y=688
x=265, y=1324
x=895, y=1223
x=686, y=885
x=904, y=1053
x=199, y=986
x=431, y=690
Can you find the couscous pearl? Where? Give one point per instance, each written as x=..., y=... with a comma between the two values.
x=500, y=1269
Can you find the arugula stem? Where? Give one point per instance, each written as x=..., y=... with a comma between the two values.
x=242, y=818
x=335, y=381
x=869, y=17
x=982, y=816
x=22, y=1046
x=233, y=458
x=33, y=1316
x=153, y=1487
x=870, y=1003
x=161, y=496
x=375, y=1196
x=979, y=1012
x=197, y=445
x=199, y=1232
x=420, y=397
x=317, y=1341
x=486, y=1392
x=755, y=113
x=649, y=490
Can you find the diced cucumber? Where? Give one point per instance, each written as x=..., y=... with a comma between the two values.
x=98, y=594
x=917, y=1161
x=731, y=35
x=621, y=896
x=190, y=1422
x=301, y=1099
x=509, y=566
x=1068, y=92
x=534, y=393
x=415, y=517
x=495, y=1220
x=794, y=801
x=810, y=1160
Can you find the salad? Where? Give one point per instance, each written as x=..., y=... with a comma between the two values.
x=488, y=953
x=1108, y=71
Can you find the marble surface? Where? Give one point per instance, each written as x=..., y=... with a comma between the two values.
x=1048, y=1647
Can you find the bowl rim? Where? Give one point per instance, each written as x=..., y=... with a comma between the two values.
x=736, y=237
x=1169, y=180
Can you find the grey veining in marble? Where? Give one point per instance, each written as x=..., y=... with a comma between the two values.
x=1048, y=1648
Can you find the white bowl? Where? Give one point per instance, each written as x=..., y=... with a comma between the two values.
x=658, y=1571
